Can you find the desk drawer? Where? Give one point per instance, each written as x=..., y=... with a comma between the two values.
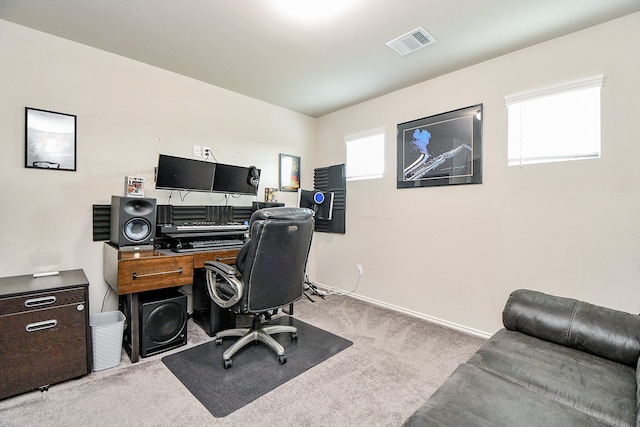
x=227, y=256
x=139, y=275
x=40, y=300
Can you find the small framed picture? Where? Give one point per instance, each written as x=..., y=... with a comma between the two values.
x=270, y=195
x=289, y=172
x=134, y=186
x=50, y=140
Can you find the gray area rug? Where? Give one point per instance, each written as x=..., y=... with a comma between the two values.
x=255, y=369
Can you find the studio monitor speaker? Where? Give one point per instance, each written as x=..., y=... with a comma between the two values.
x=163, y=321
x=133, y=221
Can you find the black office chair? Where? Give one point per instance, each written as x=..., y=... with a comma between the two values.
x=269, y=275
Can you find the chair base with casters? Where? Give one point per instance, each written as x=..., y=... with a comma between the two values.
x=257, y=333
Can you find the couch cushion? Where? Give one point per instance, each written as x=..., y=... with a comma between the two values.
x=598, y=330
x=598, y=387
x=638, y=394
x=474, y=397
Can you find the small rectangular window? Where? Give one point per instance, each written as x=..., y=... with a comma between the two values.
x=555, y=124
x=365, y=155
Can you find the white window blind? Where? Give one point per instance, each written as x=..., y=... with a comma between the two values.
x=555, y=124
x=365, y=155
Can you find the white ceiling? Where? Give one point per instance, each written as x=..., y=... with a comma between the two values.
x=250, y=47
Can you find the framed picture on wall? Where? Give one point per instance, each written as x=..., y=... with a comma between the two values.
x=445, y=149
x=50, y=140
x=289, y=172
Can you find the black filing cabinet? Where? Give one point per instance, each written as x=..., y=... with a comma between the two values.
x=44, y=331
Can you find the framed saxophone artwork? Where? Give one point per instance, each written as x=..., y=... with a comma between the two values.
x=444, y=149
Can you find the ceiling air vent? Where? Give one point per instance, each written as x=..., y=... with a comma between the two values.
x=412, y=41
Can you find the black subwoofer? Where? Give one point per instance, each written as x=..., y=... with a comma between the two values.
x=163, y=321
x=206, y=313
x=133, y=221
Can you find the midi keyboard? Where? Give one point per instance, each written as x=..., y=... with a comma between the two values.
x=208, y=245
x=203, y=227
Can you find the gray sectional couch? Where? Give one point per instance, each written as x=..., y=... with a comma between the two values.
x=557, y=362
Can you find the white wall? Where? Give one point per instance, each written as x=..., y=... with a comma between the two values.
x=455, y=253
x=127, y=113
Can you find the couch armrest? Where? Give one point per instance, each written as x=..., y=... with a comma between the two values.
x=601, y=331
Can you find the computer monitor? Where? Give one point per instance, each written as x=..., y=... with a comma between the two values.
x=178, y=173
x=321, y=202
x=236, y=179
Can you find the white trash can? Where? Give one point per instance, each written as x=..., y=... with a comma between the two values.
x=106, y=333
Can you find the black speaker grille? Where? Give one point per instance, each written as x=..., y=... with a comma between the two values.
x=165, y=323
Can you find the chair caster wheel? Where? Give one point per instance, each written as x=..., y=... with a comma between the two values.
x=282, y=359
x=218, y=341
x=227, y=363
x=294, y=337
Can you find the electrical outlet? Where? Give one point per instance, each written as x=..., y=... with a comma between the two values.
x=359, y=269
x=206, y=152
x=197, y=151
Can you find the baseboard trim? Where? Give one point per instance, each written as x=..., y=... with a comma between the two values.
x=406, y=311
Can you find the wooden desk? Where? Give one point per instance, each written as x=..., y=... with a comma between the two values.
x=129, y=272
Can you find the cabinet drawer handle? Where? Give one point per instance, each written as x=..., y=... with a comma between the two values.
x=37, y=302
x=39, y=326
x=229, y=258
x=136, y=275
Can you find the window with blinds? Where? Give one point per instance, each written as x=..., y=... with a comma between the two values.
x=555, y=124
x=365, y=155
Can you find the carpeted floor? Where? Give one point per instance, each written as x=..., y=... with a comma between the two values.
x=394, y=364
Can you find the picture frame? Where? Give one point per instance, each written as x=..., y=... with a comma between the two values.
x=289, y=173
x=50, y=140
x=443, y=149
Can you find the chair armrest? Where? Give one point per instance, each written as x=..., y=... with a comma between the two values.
x=215, y=270
x=221, y=267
